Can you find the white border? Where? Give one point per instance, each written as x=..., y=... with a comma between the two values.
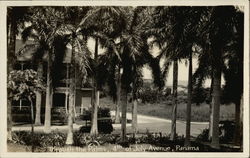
x=3, y=73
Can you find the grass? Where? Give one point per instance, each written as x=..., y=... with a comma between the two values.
x=164, y=110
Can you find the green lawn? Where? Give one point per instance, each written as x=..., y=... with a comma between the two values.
x=164, y=110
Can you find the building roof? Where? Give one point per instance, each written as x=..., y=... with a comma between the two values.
x=27, y=55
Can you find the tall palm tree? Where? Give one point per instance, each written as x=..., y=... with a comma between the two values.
x=72, y=35
x=169, y=24
x=126, y=58
x=118, y=93
x=233, y=70
x=39, y=96
x=45, y=24
x=16, y=16
x=189, y=45
x=101, y=22
x=219, y=32
x=134, y=53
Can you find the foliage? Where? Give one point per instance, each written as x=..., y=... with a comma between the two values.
x=54, y=139
x=24, y=83
x=201, y=95
x=226, y=129
x=203, y=136
x=104, y=127
x=102, y=112
x=153, y=95
x=57, y=139
x=104, y=120
x=83, y=139
x=59, y=115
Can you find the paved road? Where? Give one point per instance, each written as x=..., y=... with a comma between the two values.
x=154, y=124
x=145, y=123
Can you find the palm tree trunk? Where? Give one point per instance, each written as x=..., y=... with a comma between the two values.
x=134, y=116
x=216, y=101
x=241, y=122
x=237, y=130
x=72, y=87
x=190, y=86
x=38, y=108
x=9, y=120
x=118, y=99
x=124, y=117
x=48, y=106
x=94, y=127
x=210, y=110
x=69, y=140
x=74, y=97
x=67, y=90
x=32, y=123
x=174, y=101
x=12, y=28
x=39, y=97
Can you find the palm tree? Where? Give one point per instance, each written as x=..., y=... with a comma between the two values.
x=45, y=23
x=188, y=118
x=16, y=16
x=189, y=45
x=219, y=31
x=102, y=24
x=134, y=53
x=123, y=54
x=233, y=73
x=118, y=93
x=72, y=35
x=169, y=24
x=39, y=96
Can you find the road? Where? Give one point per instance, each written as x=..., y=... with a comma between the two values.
x=145, y=123
x=154, y=124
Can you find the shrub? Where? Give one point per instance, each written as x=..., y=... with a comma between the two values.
x=59, y=115
x=153, y=95
x=159, y=139
x=201, y=95
x=78, y=138
x=40, y=139
x=226, y=130
x=53, y=139
x=203, y=136
x=83, y=139
x=104, y=120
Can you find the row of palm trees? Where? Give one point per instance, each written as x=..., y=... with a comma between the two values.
x=214, y=34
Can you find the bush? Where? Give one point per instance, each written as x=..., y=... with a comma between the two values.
x=158, y=139
x=203, y=136
x=59, y=115
x=226, y=131
x=201, y=95
x=153, y=95
x=54, y=139
x=83, y=139
x=104, y=120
